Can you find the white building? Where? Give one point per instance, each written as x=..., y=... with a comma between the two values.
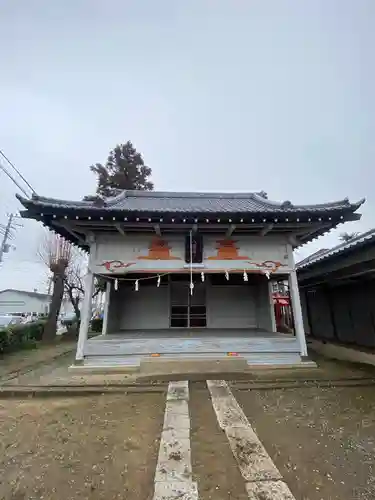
x=189, y=274
x=23, y=302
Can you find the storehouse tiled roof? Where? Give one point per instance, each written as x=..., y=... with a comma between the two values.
x=358, y=241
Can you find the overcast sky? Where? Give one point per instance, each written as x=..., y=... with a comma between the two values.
x=273, y=95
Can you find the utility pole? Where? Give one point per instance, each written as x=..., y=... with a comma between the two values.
x=4, y=248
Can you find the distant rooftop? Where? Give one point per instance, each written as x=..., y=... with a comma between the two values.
x=26, y=292
x=312, y=257
x=345, y=247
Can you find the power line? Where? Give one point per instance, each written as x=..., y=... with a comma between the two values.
x=13, y=180
x=16, y=169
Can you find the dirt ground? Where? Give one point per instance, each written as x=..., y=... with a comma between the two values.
x=214, y=466
x=103, y=447
x=24, y=360
x=321, y=439
x=54, y=371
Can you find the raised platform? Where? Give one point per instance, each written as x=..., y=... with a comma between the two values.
x=128, y=349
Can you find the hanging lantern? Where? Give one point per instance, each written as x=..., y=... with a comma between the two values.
x=226, y=275
x=202, y=277
x=158, y=282
x=245, y=277
x=136, y=285
x=116, y=284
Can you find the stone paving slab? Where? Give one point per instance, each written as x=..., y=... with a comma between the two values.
x=173, y=476
x=254, y=462
x=269, y=490
x=258, y=470
x=176, y=491
x=174, y=462
x=178, y=390
x=227, y=414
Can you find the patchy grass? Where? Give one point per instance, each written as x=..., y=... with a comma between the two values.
x=21, y=361
x=101, y=447
x=321, y=439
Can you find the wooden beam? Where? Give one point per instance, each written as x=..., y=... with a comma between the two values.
x=157, y=230
x=230, y=230
x=266, y=229
x=120, y=229
x=293, y=240
x=73, y=233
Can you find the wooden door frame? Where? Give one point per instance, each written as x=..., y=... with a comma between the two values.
x=188, y=304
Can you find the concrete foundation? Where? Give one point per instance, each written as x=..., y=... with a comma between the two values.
x=163, y=366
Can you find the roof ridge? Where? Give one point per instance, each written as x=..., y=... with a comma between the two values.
x=25, y=291
x=336, y=249
x=188, y=194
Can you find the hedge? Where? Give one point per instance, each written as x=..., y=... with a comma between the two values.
x=19, y=337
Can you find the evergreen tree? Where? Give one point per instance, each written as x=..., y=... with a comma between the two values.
x=124, y=169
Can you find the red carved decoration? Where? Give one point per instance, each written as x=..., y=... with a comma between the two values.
x=269, y=265
x=227, y=250
x=158, y=250
x=113, y=265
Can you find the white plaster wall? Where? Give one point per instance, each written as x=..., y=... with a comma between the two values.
x=129, y=247
x=228, y=306
x=257, y=248
x=146, y=309
x=252, y=250
x=231, y=306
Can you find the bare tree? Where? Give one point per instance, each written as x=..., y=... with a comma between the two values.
x=346, y=237
x=73, y=282
x=56, y=253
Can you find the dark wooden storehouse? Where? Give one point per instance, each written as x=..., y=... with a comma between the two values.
x=337, y=289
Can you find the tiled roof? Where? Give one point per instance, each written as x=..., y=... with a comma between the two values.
x=312, y=257
x=362, y=239
x=175, y=202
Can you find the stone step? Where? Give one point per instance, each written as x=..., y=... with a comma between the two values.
x=175, y=366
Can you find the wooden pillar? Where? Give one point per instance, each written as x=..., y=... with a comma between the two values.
x=327, y=292
x=297, y=312
x=106, y=306
x=272, y=307
x=85, y=314
x=308, y=311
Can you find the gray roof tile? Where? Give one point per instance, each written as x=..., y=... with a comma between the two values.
x=164, y=202
x=362, y=239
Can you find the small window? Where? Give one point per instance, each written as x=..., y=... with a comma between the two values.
x=179, y=317
x=194, y=243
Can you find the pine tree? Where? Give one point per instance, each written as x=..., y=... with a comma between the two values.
x=124, y=169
